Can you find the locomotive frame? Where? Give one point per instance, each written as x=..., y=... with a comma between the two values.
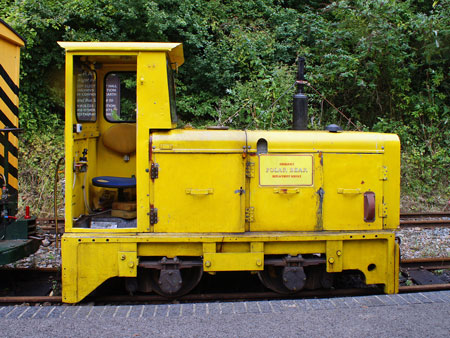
x=180, y=202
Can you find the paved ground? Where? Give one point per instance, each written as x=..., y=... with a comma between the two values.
x=406, y=315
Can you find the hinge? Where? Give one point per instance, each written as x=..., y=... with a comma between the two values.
x=154, y=171
x=153, y=216
x=382, y=210
x=250, y=169
x=250, y=214
x=383, y=173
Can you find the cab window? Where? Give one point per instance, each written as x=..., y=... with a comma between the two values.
x=120, y=97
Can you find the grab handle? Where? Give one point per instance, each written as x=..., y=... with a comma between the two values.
x=199, y=191
x=286, y=190
x=348, y=191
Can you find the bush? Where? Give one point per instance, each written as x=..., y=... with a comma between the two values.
x=38, y=155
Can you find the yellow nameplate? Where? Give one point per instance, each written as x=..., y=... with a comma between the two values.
x=286, y=170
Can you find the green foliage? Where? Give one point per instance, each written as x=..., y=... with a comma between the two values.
x=37, y=160
x=265, y=102
x=383, y=63
x=425, y=163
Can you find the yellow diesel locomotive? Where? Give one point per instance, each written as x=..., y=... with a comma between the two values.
x=160, y=206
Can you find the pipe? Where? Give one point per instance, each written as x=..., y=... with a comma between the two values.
x=300, y=101
x=55, y=200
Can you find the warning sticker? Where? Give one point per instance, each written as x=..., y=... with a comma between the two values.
x=286, y=170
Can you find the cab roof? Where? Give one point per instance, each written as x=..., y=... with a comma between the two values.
x=174, y=49
x=9, y=34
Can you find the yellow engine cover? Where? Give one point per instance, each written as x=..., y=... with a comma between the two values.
x=235, y=181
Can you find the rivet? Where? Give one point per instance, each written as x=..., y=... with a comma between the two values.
x=123, y=257
x=331, y=260
x=338, y=252
x=130, y=264
x=258, y=262
x=207, y=264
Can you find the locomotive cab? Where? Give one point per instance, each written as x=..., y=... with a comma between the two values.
x=106, y=83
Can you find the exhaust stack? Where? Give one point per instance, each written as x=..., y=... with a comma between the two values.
x=300, y=115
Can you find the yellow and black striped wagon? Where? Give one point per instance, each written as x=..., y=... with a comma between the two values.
x=14, y=233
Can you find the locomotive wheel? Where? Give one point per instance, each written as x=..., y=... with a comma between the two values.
x=318, y=277
x=272, y=278
x=190, y=278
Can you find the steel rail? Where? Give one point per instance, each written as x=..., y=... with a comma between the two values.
x=405, y=221
x=426, y=263
x=225, y=296
x=424, y=214
x=424, y=288
x=425, y=223
x=429, y=219
x=30, y=299
x=197, y=297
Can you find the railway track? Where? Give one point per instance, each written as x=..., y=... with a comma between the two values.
x=407, y=220
x=411, y=266
x=425, y=220
x=155, y=299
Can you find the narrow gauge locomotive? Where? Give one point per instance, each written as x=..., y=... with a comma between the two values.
x=14, y=233
x=160, y=206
